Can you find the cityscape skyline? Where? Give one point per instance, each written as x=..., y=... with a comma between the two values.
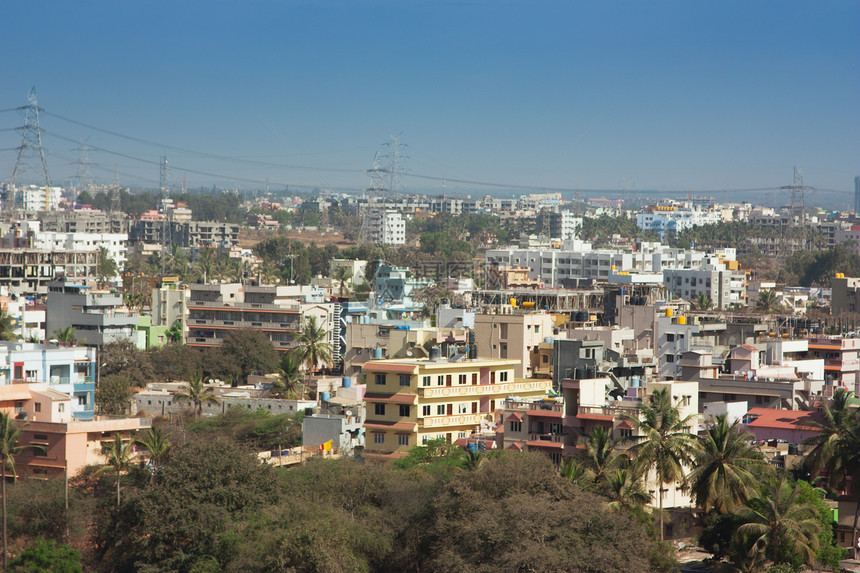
x=671, y=96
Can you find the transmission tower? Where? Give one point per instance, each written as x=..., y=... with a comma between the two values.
x=797, y=223
x=31, y=142
x=395, y=158
x=164, y=175
x=83, y=176
x=377, y=187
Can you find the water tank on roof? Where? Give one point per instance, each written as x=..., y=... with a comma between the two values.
x=346, y=382
x=325, y=396
x=634, y=381
x=377, y=353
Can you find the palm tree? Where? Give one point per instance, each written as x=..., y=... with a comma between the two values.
x=601, y=455
x=726, y=466
x=625, y=488
x=204, y=263
x=312, y=350
x=157, y=444
x=342, y=275
x=776, y=518
x=7, y=328
x=119, y=458
x=290, y=377
x=10, y=434
x=767, y=301
x=66, y=335
x=198, y=394
x=576, y=473
x=836, y=449
x=664, y=442
x=704, y=302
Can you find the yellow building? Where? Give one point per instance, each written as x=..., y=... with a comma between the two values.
x=410, y=401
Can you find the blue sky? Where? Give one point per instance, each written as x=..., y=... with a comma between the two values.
x=668, y=95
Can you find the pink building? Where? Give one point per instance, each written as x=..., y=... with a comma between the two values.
x=66, y=443
x=792, y=426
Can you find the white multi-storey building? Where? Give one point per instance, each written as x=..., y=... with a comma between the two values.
x=718, y=278
x=577, y=259
x=35, y=198
x=675, y=217
x=384, y=227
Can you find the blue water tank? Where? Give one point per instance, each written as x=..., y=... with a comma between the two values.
x=634, y=381
x=377, y=353
x=346, y=382
x=548, y=340
x=325, y=396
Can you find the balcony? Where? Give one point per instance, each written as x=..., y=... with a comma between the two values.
x=613, y=411
x=549, y=438
x=453, y=420
x=484, y=389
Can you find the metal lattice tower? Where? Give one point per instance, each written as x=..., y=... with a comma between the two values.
x=164, y=175
x=395, y=158
x=31, y=142
x=83, y=176
x=797, y=223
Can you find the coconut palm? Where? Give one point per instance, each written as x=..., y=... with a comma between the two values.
x=576, y=473
x=836, y=450
x=66, y=335
x=625, y=488
x=704, y=302
x=289, y=381
x=7, y=328
x=10, y=434
x=663, y=442
x=342, y=276
x=767, y=301
x=119, y=456
x=726, y=466
x=204, y=263
x=313, y=351
x=601, y=455
x=777, y=518
x=198, y=394
x=157, y=443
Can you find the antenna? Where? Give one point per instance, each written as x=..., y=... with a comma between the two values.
x=31, y=142
x=164, y=175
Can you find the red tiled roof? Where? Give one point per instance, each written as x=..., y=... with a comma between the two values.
x=392, y=398
x=516, y=446
x=546, y=413
x=783, y=419
x=625, y=425
x=515, y=418
x=600, y=417
x=545, y=444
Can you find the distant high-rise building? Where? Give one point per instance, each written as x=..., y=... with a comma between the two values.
x=857, y=195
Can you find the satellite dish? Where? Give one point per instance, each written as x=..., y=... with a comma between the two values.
x=349, y=412
x=408, y=353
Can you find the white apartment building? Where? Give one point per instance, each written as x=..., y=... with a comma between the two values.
x=36, y=198
x=675, y=217
x=384, y=227
x=719, y=279
x=577, y=259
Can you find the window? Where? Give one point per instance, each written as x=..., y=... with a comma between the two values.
x=379, y=438
x=440, y=380
x=402, y=440
x=503, y=376
x=40, y=471
x=462, y=408
x=405, y=380
x=38, y=406
x=516, y=426
x=41, y=437
x=404, y=410
x=61, y=408
x=82, y=401
x=670, y=337
x=425, y=381
x=670, y=358
x=380, y=379
x=425, y=410
x=462, y=379
x=440, y=409
x=379, y=409
x=626, y=433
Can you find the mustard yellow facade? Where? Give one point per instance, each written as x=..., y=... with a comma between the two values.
x=411, y=401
